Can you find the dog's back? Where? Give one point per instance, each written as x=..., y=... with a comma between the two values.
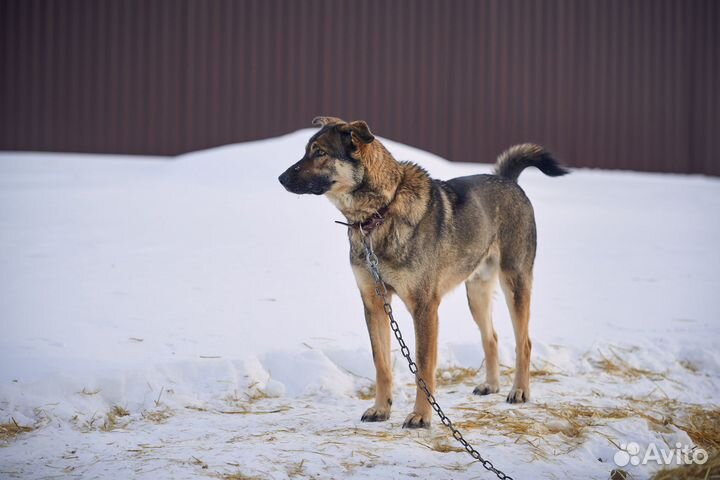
x=492, y=211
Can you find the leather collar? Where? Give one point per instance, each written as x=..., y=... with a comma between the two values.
x=377, y=219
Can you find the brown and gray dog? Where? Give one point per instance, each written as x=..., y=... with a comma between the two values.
x=434, y=235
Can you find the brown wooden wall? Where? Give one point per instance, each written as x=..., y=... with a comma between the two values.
x=629, y=84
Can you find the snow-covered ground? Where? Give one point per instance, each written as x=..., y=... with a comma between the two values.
x=186, y=318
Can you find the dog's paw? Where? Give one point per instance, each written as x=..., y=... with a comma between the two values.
x=375, y=414
x=417, y=420
x=518, y=395
x=486, y=389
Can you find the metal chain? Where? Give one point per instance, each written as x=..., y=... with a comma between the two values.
x=381, y=291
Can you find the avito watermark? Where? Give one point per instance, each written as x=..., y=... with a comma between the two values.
x=629, y=454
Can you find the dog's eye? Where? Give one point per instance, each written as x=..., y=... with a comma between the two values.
x=319, y=153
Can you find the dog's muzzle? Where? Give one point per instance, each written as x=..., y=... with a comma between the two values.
x=293, y=184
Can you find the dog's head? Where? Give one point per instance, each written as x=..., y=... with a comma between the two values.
x=332, y=161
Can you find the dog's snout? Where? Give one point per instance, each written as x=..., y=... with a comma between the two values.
x=289, y=177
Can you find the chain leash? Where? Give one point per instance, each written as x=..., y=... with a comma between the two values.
x=381, y=291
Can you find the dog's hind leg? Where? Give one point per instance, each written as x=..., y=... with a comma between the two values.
x=517, y=286
x=480, y=288
x=379, y=330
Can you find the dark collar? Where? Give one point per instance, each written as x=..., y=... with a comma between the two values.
x=377, y=219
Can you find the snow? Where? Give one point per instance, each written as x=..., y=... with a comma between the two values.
x=220, y=314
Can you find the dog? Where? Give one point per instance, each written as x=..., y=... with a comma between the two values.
x=429, y=236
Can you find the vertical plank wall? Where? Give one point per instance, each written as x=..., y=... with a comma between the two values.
x=602, y=83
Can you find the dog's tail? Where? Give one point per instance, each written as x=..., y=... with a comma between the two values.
x=515, y=159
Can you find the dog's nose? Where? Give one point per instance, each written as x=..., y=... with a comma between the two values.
x=283, y=179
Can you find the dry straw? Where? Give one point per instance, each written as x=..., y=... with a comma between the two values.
x=708, y=471
x=10, y=430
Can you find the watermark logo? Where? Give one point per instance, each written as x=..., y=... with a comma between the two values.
x=630, y=454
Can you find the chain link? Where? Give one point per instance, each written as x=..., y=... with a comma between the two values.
x=381, y=290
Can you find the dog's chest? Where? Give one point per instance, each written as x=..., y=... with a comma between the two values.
x=397, y=272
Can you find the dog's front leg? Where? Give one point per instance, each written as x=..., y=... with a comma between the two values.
x=379, y=329
x=425, y=319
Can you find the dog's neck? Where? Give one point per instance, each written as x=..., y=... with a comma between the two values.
x=382, y=177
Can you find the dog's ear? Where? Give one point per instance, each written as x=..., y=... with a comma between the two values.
x=361, y=132
x=322, y=121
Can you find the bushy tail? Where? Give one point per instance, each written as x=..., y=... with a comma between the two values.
x=517, y=158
